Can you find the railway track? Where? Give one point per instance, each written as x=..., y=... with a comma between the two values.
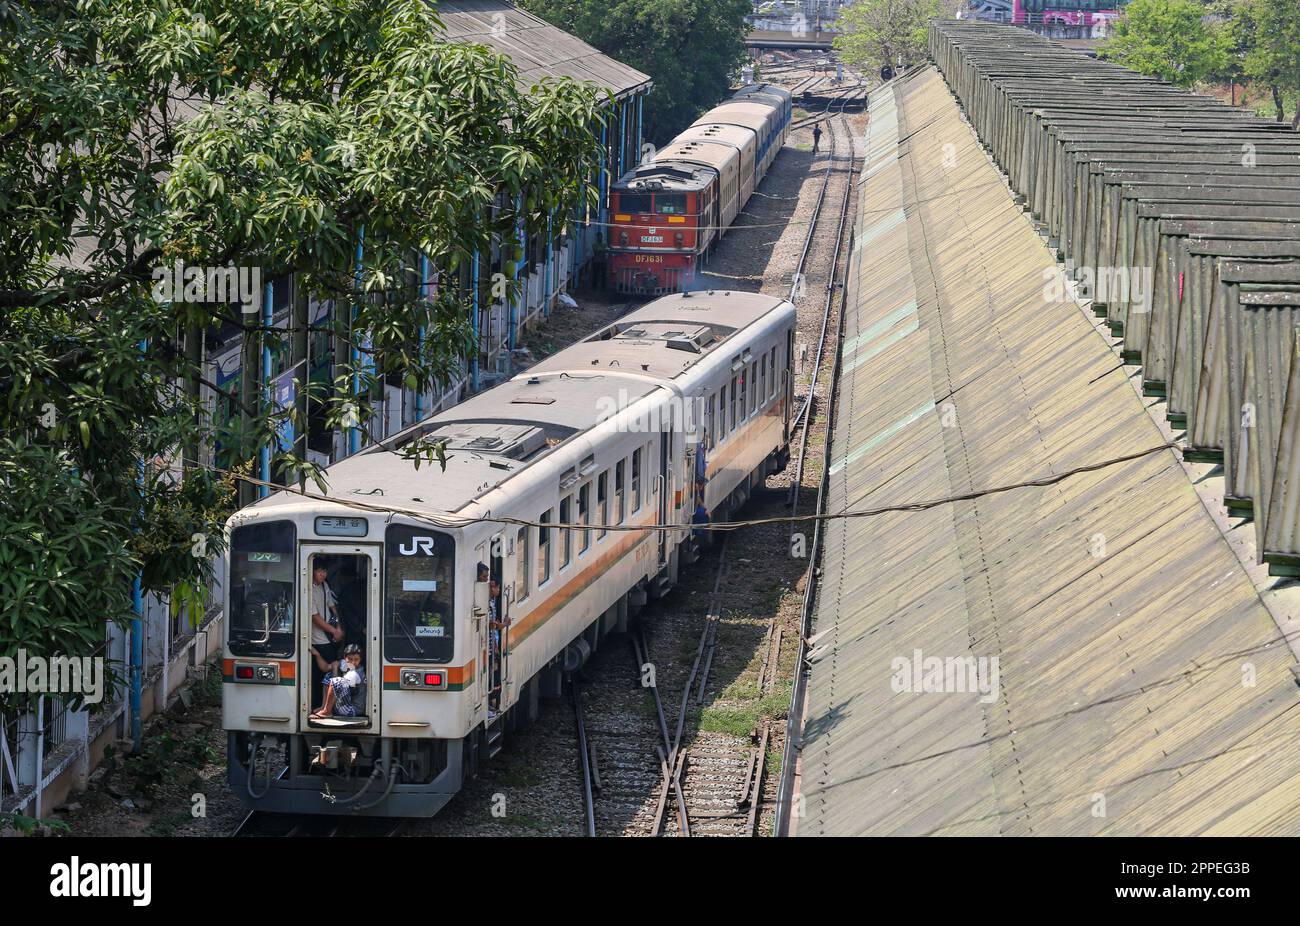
x=662, y=775
x=840, y=139
x=702, y=783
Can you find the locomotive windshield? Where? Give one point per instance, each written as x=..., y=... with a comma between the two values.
x=261, y=589
x=634, y=202
x=670, y=203
x=419, y=586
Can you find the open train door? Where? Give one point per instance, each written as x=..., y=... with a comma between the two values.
x=498, y=605
x=349, y=595
x=665, y=482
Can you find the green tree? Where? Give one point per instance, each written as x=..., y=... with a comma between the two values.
x=267, y=134
x=1170, y=39
x=1274, y=56
x=692, y=49
x=878, y=32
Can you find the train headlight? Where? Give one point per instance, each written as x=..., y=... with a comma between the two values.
x=259, y=673
x=679, y=238
x=622, y=238
x=424, y=679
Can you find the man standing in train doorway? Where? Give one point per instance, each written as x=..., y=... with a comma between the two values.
x=817, y=138
x=325, y=629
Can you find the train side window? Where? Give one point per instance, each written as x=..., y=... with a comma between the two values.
x=710, y=435
x=732, y=416
x=620, y=472
x=774, y=376
x=753, y=389
x=745, y=389
x=762, y=380
x=602, y=504
x=566, y=534
x=584, y=517
x=523, y=562
x=722, y=413
x=544, y=549
x=636, y=480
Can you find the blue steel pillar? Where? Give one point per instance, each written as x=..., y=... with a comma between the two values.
x=268, y=387
x=519, y=247
x=550, y=259
x=354, y=434
x=424, y=294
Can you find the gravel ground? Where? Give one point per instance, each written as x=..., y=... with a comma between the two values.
x=537, y=777
x=157, y=793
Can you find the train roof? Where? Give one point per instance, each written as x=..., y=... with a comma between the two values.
x=768, y=93
x=501, y=431
x=750, y=115
x=717, y=133
x=712, y=153
x=667, y=176
x=666, y=337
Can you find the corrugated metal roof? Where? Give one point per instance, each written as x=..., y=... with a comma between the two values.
x=537, y=48
x=1121, y=621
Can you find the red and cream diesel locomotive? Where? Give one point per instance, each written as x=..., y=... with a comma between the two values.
x=670, y=212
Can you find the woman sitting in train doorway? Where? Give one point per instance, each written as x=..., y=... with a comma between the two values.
x=342, y=679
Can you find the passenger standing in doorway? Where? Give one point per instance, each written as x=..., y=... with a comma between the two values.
x=599, y=260
x=325, y=629
x=817, y=138
x=496, y=629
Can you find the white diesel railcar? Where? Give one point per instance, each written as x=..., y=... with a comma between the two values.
x=685, y=400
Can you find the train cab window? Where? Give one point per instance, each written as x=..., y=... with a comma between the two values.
x=636, y=480
x=419, y=594
x=709, y=417
x=633, y=202
x=566, y=534
x=670, y=203
x=523, y=563
x=261, y=589
x=602, y=504
x=584, y=517
x=775, y=378
x=620, y=472
x=544, y=549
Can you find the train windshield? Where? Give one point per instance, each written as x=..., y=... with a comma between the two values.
x=419, y=593
x=261, y=589
x=633, y=202
x=670, y=203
